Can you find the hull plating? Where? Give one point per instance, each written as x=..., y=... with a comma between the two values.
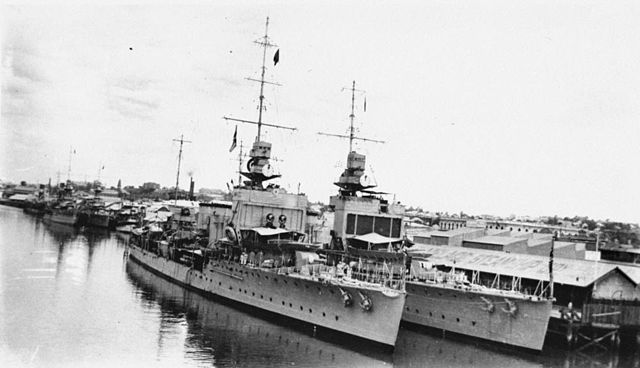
x=307, y=300
x=63, y=219
x=467, y=313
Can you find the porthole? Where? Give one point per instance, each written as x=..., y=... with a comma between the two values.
x=417, y=311
x=337, y=318
x=443, y=316
x=301, y=308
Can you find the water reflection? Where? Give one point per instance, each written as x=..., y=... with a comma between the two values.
x=220, y=333
x=69, y=298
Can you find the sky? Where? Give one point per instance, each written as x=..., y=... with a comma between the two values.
x=494, y=107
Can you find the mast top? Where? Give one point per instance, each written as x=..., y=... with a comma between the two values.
x=258, y=167
x=353, y=179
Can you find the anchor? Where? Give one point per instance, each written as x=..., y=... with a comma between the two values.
x=512, y=307
x=366, y=304
x=490, y=307
x=346, y=298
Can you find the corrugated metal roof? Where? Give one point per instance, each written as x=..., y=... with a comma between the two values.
x=538, y=242
x=460, y=231
x=632, y=271
x=566, y=271
x=491, y=239
x=561, y=244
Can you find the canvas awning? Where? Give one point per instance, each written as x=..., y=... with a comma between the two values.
x=375, y=238
x=266, y=231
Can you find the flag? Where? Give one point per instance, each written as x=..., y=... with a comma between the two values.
x=276, y=57
x=551, y=259
x=102, y=167
x=235, y=140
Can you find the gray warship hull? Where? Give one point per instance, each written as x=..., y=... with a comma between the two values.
x=61, y=218
x=308, y=300
x=467, y=312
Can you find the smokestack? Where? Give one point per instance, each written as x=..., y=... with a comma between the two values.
x=191, y=197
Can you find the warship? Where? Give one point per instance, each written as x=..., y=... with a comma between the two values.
x=460, y=301
x=65, y=209
x=254, y=253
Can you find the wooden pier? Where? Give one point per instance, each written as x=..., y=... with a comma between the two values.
x=598, y=324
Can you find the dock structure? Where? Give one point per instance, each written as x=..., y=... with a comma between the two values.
x=595, y=302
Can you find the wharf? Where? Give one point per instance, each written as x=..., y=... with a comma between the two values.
x=593, y=300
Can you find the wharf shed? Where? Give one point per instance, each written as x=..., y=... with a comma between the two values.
x=539, y=247
x=621, y=254
x=502, y=243
x=576, y=281
x=455, y=237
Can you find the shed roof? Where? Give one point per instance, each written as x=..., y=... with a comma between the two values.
x=454, y=232
x=566, y=271
x=538, y=242
x=492, y=239
x=633, y=272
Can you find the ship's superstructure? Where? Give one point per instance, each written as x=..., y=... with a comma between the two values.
x=438, y=297
x=259, y=258
x=64, y=210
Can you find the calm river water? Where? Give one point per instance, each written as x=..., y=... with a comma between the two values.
x=70, y=298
